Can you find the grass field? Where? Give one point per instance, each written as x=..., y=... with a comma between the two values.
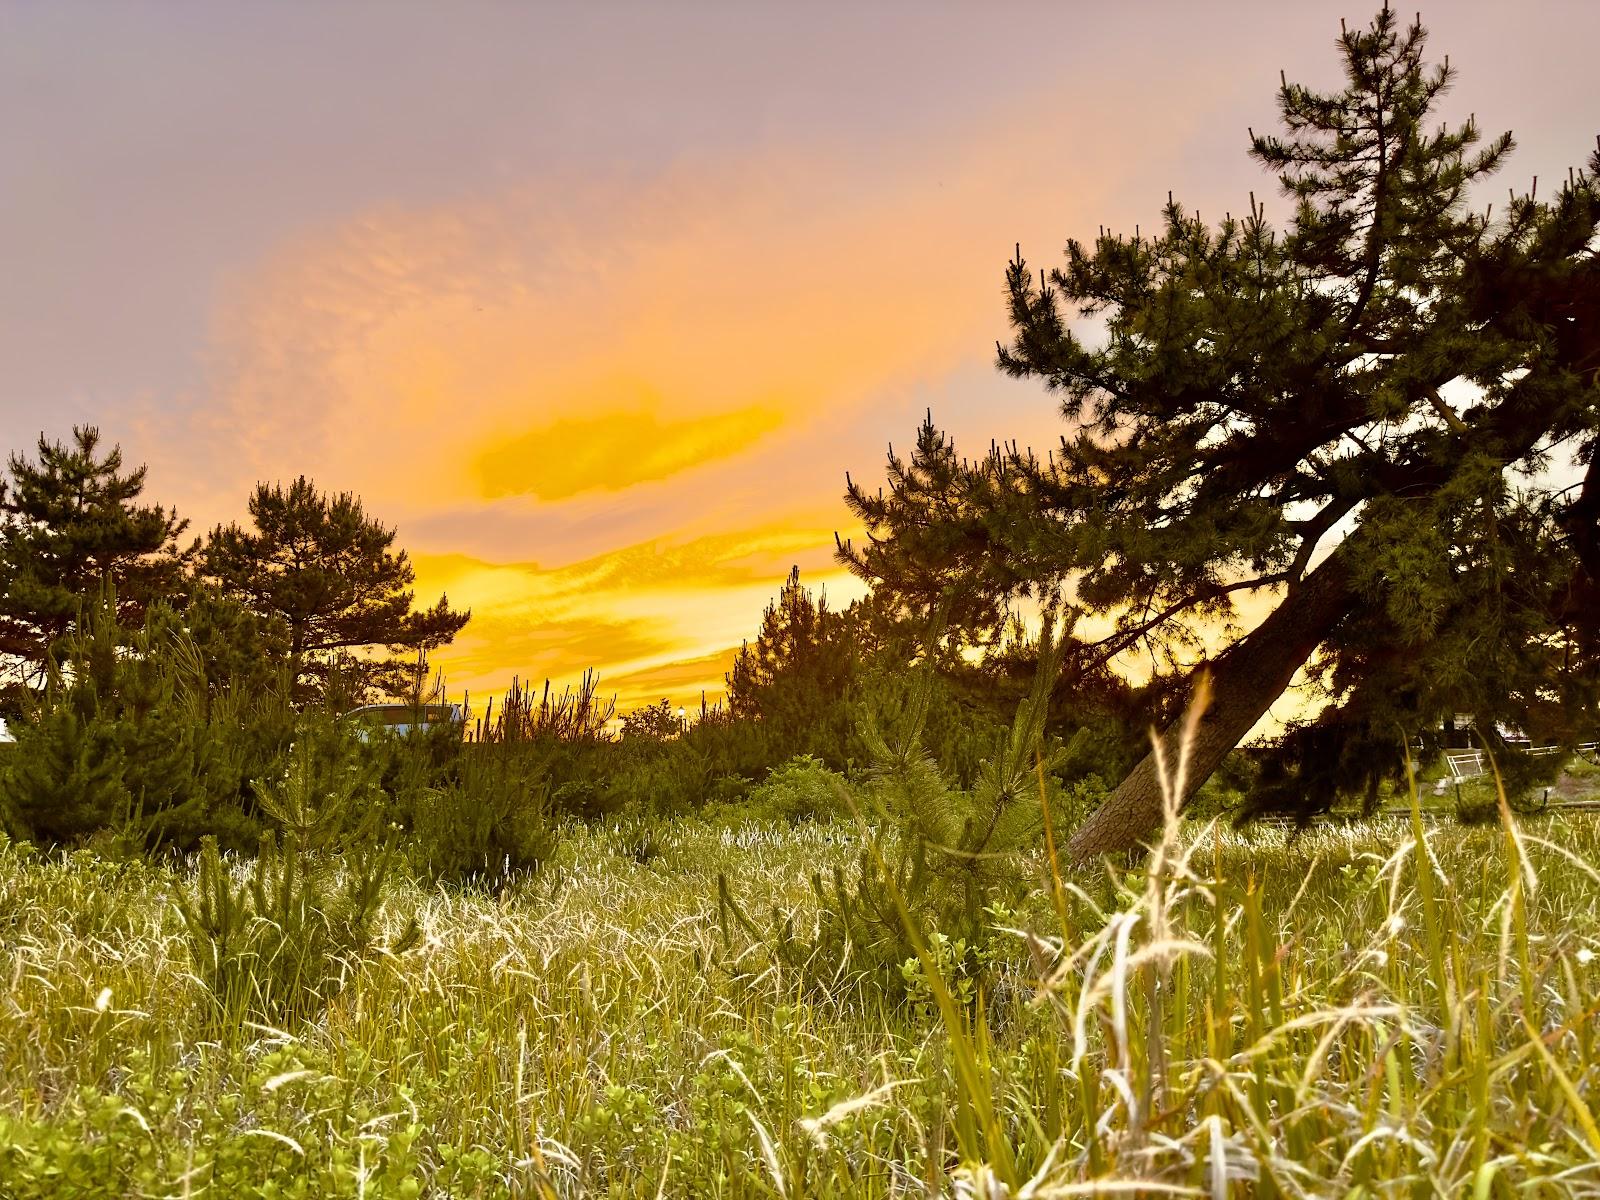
x=1351, y=1026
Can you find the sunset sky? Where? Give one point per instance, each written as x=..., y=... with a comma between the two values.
x=598, y=303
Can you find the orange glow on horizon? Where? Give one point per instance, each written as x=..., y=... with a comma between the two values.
x=653, y=619
x=608, y=414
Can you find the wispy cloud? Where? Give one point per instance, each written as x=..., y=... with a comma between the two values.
x=681, y=682
x=643, y=382
x=655, y=618
x=613, y=451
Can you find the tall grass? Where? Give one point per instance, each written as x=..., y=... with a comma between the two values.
x=1384, y=1008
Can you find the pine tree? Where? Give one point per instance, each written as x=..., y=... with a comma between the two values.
x=1353, y=416
x=797, y=676
x=238, y=651
x=940, y=858
x=331, y=574
x=126, y=737
x=70, y=522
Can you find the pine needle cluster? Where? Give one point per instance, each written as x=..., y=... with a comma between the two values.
x=938, y=861
x=276, y=945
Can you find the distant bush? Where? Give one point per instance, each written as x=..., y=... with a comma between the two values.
x=798, y=677
x=716, y=760
x=802, y=789
x=495, y=821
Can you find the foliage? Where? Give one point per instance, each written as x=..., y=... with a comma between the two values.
x=941, y=857
x=802, y=789
x=277, y=947
x=950, y=963
x=129, y=737
x=653, y=723
x=70, y=524
x=494, y=822
x=329, y=572
x=325, y=791
x=239, y=652
x=1391, y=364
x=716, y=759
x=559, y=743
x=577, y=715
x=799, y=674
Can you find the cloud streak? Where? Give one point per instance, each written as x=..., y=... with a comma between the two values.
x=656, y=618
x=654, y=385
x=613, y=451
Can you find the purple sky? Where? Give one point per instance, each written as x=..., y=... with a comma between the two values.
x=599, y=302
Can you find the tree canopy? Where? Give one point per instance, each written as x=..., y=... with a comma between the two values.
x=331, y=574
x=70, y=522
x=1382, y=417
x=797, y=675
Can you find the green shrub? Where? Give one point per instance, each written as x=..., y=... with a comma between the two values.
x=942, y=857
x=961, y=970
x=159, y=1130
x=669, y=778
x=276, y=946
x=713, y=762
x=130, y=736
x=802, y=789
x=325, y=790
x=493, y=822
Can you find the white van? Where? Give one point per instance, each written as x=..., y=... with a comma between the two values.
x=401, y=719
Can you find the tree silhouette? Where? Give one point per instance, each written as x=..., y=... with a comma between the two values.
x=70, y=522
x=1353, y=417
x=331, y=574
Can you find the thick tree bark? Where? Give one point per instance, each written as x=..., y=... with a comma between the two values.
x=1244, y=682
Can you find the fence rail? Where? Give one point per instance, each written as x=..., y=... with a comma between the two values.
x=1286, y=821
x=1464, y=766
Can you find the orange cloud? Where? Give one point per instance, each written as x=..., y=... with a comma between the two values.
x=444, y=344
x=591, y=372
x=613, y=451
x=655, y=618
x=681, y=682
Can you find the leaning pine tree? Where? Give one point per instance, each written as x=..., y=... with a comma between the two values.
x=1380, y=422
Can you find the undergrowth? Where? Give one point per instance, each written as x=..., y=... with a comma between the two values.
x=937, y=861
x=1378, y=1008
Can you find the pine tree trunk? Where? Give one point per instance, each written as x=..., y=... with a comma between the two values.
x=1244, y=682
